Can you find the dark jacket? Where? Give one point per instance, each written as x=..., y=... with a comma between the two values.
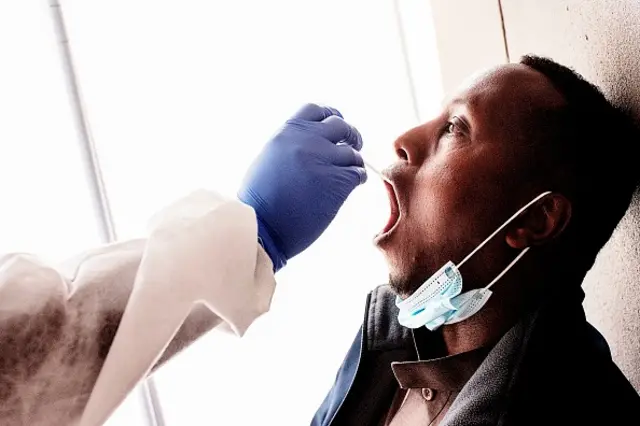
x=551, y=368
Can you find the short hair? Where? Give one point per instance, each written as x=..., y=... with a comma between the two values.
x=595, y=150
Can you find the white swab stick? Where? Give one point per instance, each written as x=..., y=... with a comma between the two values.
x=376, y=171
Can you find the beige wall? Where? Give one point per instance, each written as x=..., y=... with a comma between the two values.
x=601, y=40
x=470, y=34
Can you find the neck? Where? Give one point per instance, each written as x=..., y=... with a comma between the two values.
x=481, y=330
x=514, y=295
x=511, y=298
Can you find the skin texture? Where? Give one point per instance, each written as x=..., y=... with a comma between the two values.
x=460, y=176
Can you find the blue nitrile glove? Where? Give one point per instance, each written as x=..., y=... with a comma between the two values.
x=300, y=180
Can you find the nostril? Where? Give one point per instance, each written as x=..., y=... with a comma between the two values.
x=402, y=154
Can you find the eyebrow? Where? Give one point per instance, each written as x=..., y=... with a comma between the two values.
x=455, y=101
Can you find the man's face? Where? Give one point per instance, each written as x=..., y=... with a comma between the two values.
x=459, y=176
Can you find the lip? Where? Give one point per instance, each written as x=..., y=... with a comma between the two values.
x=394, y=216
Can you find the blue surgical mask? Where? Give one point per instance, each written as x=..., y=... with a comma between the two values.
x=440, y=300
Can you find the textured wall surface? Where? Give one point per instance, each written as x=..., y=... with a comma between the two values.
x=469, y=38
x=601, y=40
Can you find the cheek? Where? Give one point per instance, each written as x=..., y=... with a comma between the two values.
x=450, y=208
x=465, y=181
x=454, y=203
x=440, y=194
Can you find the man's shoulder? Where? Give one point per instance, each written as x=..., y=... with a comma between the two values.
x=558, y=362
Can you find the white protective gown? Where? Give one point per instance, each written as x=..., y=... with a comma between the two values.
x=75, y=340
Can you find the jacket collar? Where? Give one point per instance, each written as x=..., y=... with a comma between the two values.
x=485, y=398
x=382, y=330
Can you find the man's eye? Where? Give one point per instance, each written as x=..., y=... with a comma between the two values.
x=450, y=128
x=454, y=127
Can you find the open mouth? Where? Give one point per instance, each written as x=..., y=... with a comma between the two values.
x=394, y=217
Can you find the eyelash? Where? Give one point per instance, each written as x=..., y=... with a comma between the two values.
x=451, y=127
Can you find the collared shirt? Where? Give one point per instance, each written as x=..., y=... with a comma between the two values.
x=427, y=388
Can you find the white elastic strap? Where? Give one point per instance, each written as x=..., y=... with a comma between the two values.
x=509, y=266
x=507, y=222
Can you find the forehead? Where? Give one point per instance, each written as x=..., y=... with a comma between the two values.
x=508, y=95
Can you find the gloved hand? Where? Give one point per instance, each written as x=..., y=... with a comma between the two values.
x=300, y=180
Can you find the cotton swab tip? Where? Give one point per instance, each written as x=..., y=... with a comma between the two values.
x=376, y=171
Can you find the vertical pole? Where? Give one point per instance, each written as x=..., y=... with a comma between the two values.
x=93, y=174
x=407, y=62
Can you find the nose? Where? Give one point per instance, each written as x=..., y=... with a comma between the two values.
x=411, y=147
x=400, y=149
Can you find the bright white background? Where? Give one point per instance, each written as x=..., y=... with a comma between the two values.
x=182, y=95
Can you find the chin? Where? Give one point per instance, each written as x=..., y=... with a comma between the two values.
x=402, y=284
x=405, y=277
x=397, y=268
x=398, y=287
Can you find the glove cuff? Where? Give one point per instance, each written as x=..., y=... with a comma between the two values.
x=269, y=245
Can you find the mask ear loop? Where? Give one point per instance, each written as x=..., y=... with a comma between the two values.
x=509, y=266
x=504, y=225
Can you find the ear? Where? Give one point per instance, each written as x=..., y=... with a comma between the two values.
x=541, y=223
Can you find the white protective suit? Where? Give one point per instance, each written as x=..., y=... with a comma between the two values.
x=74, y=341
